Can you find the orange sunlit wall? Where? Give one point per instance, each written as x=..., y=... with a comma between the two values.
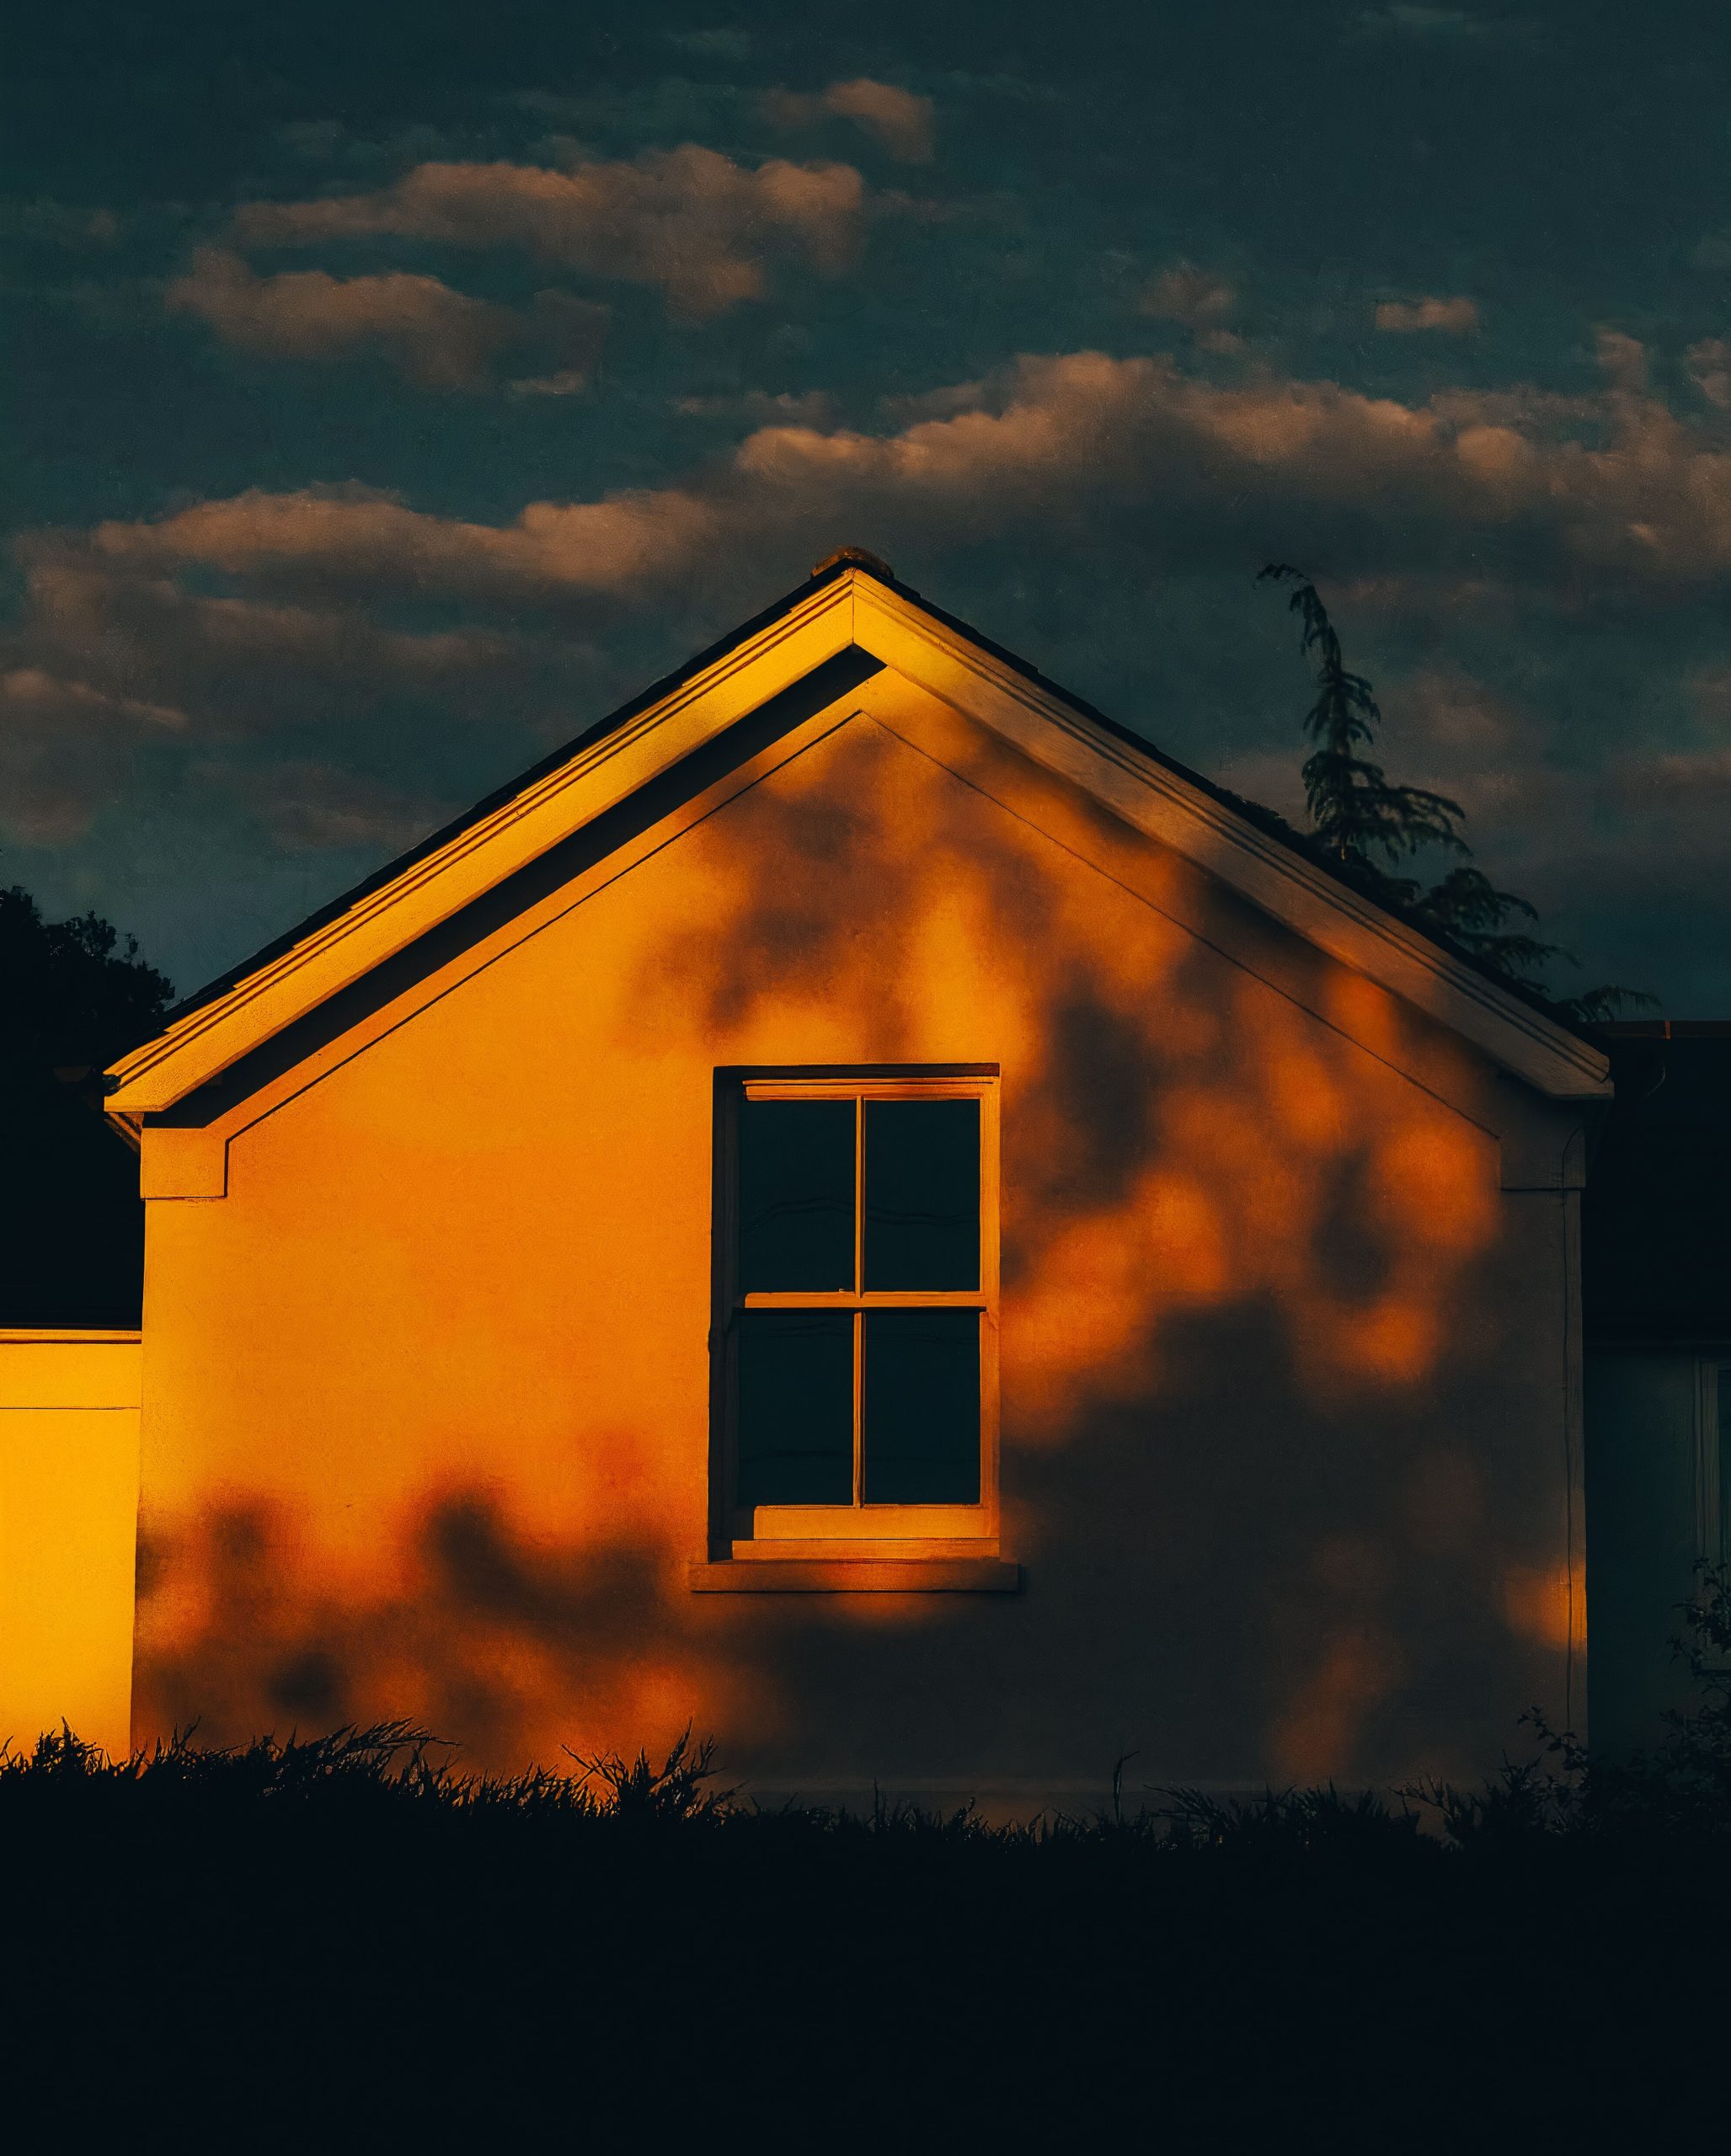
x=1285, y=1366
x=68, y=1509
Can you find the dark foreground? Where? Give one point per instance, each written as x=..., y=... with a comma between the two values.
x=339, y=1943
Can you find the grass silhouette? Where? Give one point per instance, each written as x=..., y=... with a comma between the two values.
x=349, y=1939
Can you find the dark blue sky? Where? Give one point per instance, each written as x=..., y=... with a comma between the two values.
x=391, y=390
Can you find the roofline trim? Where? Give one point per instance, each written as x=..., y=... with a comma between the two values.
x=848, y=604
x=1166, y=804
x=481, y=854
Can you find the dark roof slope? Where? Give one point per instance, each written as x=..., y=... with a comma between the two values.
x=833, y=566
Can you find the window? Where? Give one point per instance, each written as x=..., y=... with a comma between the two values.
x=857, y=1301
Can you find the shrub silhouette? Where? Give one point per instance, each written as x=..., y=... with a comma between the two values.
x=310, y=1940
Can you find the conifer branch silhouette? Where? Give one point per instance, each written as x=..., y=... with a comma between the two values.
x=1370, y=826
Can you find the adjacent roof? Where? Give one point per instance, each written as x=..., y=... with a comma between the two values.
x=850, y=600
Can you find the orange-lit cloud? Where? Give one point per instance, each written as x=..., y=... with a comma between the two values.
x=903, y=122
x=1710, y=369
x=1176, y=474
x=1136, y=451
x=688, y=220
x=147, y=637
x=357, y=537
x=1623, y=360
x=442, y=338
x=434, y=335
x=1456, y=317
x=122, y=677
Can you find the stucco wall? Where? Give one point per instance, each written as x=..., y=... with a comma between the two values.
x=68, y=1505
x=1284, y=1369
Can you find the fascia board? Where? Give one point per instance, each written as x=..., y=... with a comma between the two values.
x=858, y=609
x=1166, y=807
x=203, y=1044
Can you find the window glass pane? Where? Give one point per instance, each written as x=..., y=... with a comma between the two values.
x=796, y=1407
x=920, y=1443
x=922, y=1194
x=796, y=1194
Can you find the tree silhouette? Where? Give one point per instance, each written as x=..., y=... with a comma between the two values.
x=73, y=996
x=71, y=993
x=1370, y=826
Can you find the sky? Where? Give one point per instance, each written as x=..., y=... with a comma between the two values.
x=389, y=392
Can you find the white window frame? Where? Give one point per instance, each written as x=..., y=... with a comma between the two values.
x=858, y=1530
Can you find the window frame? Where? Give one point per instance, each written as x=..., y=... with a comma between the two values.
x=857, y=1530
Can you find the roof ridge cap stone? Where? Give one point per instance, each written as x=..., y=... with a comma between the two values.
x=856, y=558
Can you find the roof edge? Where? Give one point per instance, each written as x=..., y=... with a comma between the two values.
x=1576, y=1057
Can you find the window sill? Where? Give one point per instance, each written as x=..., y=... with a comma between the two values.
x=856, y=1576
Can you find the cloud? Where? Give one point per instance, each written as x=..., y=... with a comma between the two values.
x=61, y=740
x=438, y=337
x=27, y=689
x=903, y=122
x=1623, y=360
x=1709, y=369
x=1443, y=26
x=318, y=142
x=144, y=644
x=1136, y=454
x=943, y=402
x=307, y=807
x=355, y=540
x=1201, y=299
x=688, y=220
x=46, y=223
x=728, y=44
x=121, y=686
x=567, y=382
x=762, y=408
x=1456, y=317
x=1497, y=527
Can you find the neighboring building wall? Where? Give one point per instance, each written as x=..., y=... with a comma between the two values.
x=1657, y=1272
x=1652, y=1495
x=68, y=1514
x=1288, y=1440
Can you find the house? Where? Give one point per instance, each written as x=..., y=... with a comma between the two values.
x=860, y=1208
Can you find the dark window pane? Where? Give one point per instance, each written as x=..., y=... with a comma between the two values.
x=796, y=1194
x=796, y=1407
x=922, y=1194
x=920, y=1443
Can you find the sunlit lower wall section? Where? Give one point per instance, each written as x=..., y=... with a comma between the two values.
x=68, y=1516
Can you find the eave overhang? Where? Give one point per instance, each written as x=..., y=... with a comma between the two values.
x=851, y=607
